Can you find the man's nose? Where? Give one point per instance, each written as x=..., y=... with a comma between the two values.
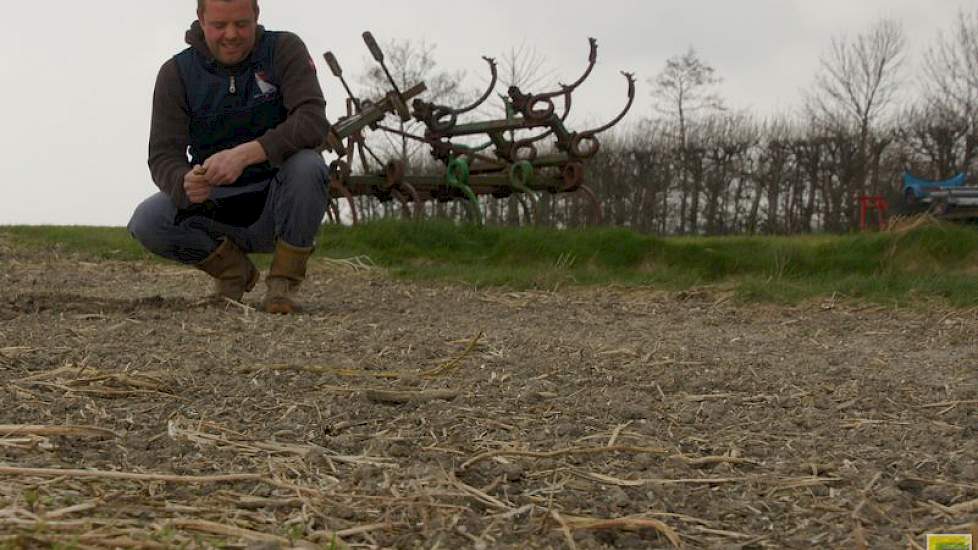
x=231, y=32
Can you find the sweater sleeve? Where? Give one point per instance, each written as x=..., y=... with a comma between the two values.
x=169, y=135
x=306, y=126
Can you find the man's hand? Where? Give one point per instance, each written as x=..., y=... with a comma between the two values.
x=225, y=168
x=196, y=186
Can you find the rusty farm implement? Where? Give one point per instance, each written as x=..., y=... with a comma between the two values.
x=500, y=163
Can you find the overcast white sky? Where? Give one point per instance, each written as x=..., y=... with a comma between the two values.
x=78, y=76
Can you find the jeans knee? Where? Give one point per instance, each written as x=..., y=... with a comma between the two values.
x=306, y=165
x=305, y=177
x=149, y=221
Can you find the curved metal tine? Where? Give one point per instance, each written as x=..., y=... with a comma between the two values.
x=492, y=86
x=597, y=212
x=405, y=210
x=568, y=88
x=531, y=209
x=563, y=118
x=548, y=133
x=332, y=212
x=568, y=103
x=534, y=139
x=437, y=114
x=617, y=119
x=350, y=201
x=334, y=67
x=418, y=209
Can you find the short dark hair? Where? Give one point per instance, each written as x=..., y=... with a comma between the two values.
x=201, y=4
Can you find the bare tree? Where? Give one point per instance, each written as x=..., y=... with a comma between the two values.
x=951, y=67
x=682, y=91
x=859, y=79
x=684, y=88
x=950, y=73
x=853, y=95
x=938, y=141
x=526, y=67
x=728, y=139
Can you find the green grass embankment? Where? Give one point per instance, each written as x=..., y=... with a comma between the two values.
x=932, y=262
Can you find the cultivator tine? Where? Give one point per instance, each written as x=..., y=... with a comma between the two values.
x=439, y=118
x=402, y=200
x=334, y=67
x=527, y=104
x=529, y=206
x=630, y=77
x=333, y=212
x=414, y=197
x=457, y=177
x=378, y=55
x=592, y=61
x=501, y=166
x=521, y=177
x=597, y=213
x=572, y=174
x=493, y=69
x=352, y=203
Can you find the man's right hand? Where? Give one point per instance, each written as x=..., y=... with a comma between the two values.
x=196, y=186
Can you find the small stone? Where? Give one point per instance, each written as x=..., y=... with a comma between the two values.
x=513, y=472
x=411, y=380
x=888, y=494
x=969, y=471
x=820, y=491
x=943, y=494
x=618, y=498
x=910, y=485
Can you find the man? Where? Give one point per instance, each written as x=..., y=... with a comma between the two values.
x=246, y=104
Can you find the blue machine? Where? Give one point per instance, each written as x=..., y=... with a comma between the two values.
x=916, y=190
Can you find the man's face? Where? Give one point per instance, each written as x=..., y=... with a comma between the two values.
x=229, y=29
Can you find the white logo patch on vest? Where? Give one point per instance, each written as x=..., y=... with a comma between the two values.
x=266, y=87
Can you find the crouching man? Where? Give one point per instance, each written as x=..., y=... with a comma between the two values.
x=247, y=106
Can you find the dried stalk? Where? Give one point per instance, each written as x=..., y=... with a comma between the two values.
x=565, y=529
x=77, y=431
x=400, y=397
x=562, y=452
x=128, y=476
x=453, y=364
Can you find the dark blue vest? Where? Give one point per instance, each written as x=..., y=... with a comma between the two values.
x=232, y=105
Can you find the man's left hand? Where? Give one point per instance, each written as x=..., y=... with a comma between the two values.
x=225, y=168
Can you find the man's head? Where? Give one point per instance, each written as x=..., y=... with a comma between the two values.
x=230, y=28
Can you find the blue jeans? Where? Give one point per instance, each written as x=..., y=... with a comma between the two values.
x=294, y=209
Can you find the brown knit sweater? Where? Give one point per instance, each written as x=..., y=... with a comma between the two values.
x=305, y=128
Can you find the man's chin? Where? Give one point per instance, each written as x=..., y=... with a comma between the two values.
x=231, y=59
x=228, y=58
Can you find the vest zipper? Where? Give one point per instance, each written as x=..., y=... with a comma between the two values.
x=231, y=87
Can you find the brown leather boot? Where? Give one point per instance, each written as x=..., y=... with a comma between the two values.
x=287, y=272
x=233, y=272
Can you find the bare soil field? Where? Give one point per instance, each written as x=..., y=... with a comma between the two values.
x=136, y=414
